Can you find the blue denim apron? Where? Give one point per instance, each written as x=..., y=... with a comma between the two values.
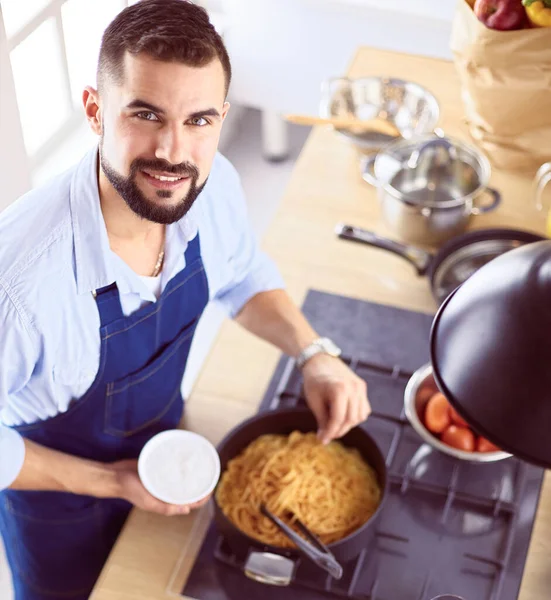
x=57, y=542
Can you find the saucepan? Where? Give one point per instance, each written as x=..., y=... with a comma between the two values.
x=275, y=565
x=455, y=261
x=430, y=187
x=542, y=179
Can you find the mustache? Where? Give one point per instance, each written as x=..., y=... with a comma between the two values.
x=185, y=169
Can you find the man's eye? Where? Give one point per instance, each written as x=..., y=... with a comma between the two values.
x=199, y=121
x=147, y=116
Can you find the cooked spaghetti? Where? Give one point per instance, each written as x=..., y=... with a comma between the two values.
x=331, y=488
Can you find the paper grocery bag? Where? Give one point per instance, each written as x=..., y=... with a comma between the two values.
x=506, y=87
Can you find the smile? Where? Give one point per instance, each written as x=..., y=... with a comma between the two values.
x=163, y=178
x=164, y=181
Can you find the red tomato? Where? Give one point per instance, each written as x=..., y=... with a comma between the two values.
x=484, y=445
x=457, y=418
x=459, y=437
x=437, y=414
x=425, y=394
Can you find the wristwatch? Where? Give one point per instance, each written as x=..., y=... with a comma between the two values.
x=321, y=345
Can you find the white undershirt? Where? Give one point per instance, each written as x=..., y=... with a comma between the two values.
x=153, y=284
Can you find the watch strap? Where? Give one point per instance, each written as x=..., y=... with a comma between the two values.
x=318, y=346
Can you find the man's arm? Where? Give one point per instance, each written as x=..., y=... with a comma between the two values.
x=25, y=465
x=247, y=283
x=47, y=469
x=336, y=395
x=274, y=317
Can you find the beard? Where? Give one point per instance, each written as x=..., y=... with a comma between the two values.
x=136, y=200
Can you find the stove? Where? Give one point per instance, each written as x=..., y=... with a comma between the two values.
x=447, y=526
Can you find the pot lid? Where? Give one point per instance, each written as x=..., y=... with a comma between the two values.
x=491, y=351
x=432, y=171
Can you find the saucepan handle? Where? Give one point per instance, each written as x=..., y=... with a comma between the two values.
x=269, y=568
x=417, y=257
x=543, y=177
x=368, y=169
x=494, y=203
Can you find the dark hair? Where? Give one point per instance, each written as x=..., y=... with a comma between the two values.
x=167, y=30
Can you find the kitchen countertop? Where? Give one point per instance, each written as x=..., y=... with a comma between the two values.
x=325, y=188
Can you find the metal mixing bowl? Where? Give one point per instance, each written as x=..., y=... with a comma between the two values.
x=411, y=107
x=416, y=396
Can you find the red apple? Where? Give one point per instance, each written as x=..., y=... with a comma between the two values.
x=504, y=15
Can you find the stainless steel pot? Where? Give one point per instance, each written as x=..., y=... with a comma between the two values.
x=430, y=187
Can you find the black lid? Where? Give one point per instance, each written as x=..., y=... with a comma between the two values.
x=491, y=351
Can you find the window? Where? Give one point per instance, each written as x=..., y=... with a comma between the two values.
x=53, y=47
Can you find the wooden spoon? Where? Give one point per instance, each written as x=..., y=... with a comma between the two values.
x=377, y=125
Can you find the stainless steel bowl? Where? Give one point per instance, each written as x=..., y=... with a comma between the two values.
x=412, y=108
x=416, y=397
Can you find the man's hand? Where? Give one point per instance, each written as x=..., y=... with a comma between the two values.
x=130, y=487
x=336, y=396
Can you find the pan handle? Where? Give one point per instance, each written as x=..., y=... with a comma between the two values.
x=417, y=257
x=269, y=568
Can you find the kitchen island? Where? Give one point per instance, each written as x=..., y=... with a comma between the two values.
x=154, y=554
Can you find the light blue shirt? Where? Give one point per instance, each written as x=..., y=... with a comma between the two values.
x=54, y=252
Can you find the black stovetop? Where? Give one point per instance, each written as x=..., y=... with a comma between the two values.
x=447, y=526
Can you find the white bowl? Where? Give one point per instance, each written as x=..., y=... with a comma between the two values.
x=179, y=467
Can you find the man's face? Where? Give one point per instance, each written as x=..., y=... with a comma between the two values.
x=160, y=132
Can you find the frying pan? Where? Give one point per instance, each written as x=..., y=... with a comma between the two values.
x=264, y=560
x=455, y=261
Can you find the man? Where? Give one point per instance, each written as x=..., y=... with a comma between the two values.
x=104, y=273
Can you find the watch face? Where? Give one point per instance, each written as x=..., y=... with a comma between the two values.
x=330, y=347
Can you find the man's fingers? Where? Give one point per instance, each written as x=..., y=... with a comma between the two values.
x=364, y=409
x=163, y=508
x=337, y=415
x=358, y=408
x=350, y=419
x=184, y=509
x=361, y=403
x=200, y=503
x=320, y=410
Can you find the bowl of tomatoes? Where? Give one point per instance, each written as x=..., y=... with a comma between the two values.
x=440, y=425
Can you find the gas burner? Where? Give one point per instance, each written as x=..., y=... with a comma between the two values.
x=471, y=499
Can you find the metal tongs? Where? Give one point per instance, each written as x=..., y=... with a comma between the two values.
x=315, y=551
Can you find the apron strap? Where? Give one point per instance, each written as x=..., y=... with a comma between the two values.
x=109, y=304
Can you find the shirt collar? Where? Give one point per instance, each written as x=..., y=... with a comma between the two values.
x=95, y=265
x=93, y=269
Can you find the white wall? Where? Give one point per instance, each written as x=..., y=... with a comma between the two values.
x=282, y=51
